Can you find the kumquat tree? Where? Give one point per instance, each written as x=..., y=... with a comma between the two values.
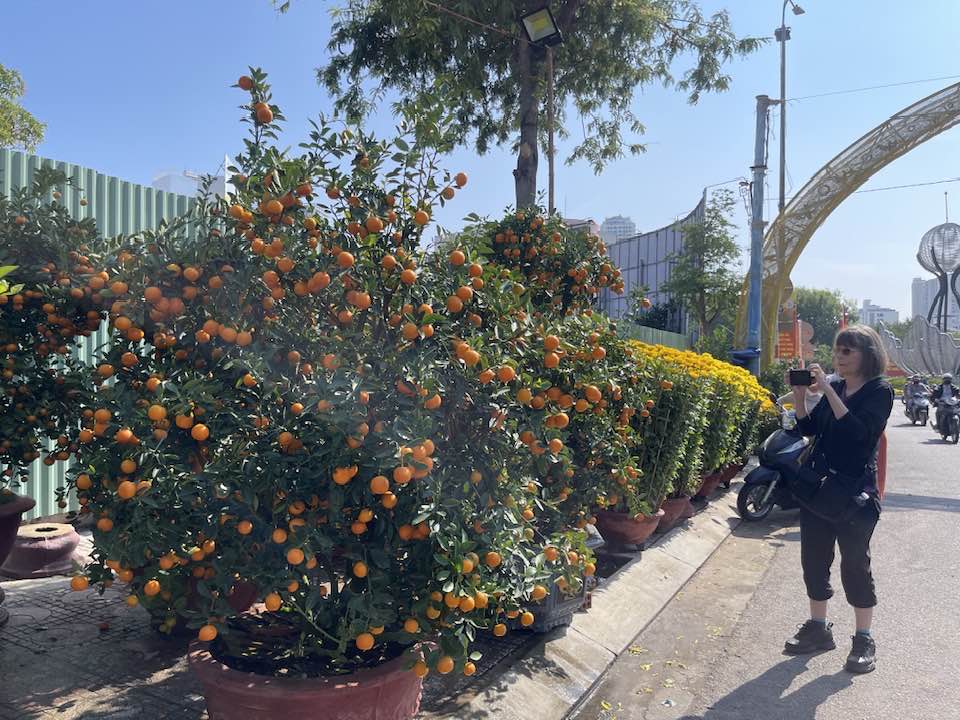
x=301, y=409
x=52, y=298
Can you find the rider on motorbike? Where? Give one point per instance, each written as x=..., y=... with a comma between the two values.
x=944, y=390
x=914, y=389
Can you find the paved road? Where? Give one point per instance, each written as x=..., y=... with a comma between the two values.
x=715, y=653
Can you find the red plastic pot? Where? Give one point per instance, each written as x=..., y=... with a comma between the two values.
x=625, y=529
x=386, y=692
x=10, y=513
x=675, y=510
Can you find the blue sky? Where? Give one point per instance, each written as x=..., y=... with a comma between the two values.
x=134, y=89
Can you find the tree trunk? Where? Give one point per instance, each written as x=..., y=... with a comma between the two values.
x=525, y=176
x=529, y=64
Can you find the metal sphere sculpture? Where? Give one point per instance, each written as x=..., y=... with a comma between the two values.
x=939, y=253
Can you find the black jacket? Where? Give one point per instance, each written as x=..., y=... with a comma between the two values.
x=849, y=445
x=944, y=391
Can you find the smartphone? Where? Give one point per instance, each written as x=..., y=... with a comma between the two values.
x=800, y=378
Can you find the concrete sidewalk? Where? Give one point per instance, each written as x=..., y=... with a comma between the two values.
x=564, y=665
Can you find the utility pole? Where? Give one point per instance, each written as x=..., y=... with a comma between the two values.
x=750, y=356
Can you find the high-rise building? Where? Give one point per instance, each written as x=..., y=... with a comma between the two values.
x=617, y=228
x=871, y=314
x=923, y=293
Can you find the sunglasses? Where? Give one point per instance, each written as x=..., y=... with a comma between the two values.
x=845, y=351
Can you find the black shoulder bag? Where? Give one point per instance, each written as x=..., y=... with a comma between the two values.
x=830, y=495
x=825, y=492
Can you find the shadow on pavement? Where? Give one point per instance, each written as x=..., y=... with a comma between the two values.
x=772, y=527
x=763, y=697
x=901, y=501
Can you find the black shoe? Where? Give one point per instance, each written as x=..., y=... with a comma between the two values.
x=863, y=655
x=812, y=637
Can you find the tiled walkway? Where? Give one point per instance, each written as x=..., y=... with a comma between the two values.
x=70, y=655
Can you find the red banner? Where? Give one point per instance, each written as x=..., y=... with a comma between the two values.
x=786, y=346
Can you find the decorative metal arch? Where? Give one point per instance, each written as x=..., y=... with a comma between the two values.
x=833, y=184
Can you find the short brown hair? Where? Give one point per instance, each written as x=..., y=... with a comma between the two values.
x=865, y=339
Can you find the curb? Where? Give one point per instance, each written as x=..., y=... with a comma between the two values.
x=559, y=671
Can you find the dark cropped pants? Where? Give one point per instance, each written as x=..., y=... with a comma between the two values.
x=819, y=537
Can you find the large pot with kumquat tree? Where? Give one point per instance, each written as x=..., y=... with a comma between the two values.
x=49, y=299
x=587, y=370
x=303, y=408
x=580, y=385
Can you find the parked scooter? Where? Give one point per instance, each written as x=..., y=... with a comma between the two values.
x=917, y=409
x=949, y=426
x=765, y=487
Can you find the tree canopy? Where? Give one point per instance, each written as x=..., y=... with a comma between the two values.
x=18, y=128
x=823, y=309
x=706, y=277
x=495, y=80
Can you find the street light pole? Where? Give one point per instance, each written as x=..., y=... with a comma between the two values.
x=550, y=123
x=782, y=35
x=542, y=31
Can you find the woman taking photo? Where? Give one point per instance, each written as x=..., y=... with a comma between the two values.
x=846, y=426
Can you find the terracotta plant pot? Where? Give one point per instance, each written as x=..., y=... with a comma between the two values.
x=240, y=599
x=42, y=550
x=625, y=529
x=387, y=692
x=10, y=512
x=675, y=510
x=242, y=596
x=729, y=473
x=709, y=484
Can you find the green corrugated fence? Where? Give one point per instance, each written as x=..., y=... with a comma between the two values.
x=653, y=336
x=119, y=208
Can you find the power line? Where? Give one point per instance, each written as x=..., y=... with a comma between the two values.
x=874, y=87
x=897, y=187
x=478, y=23
x=912, y=185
